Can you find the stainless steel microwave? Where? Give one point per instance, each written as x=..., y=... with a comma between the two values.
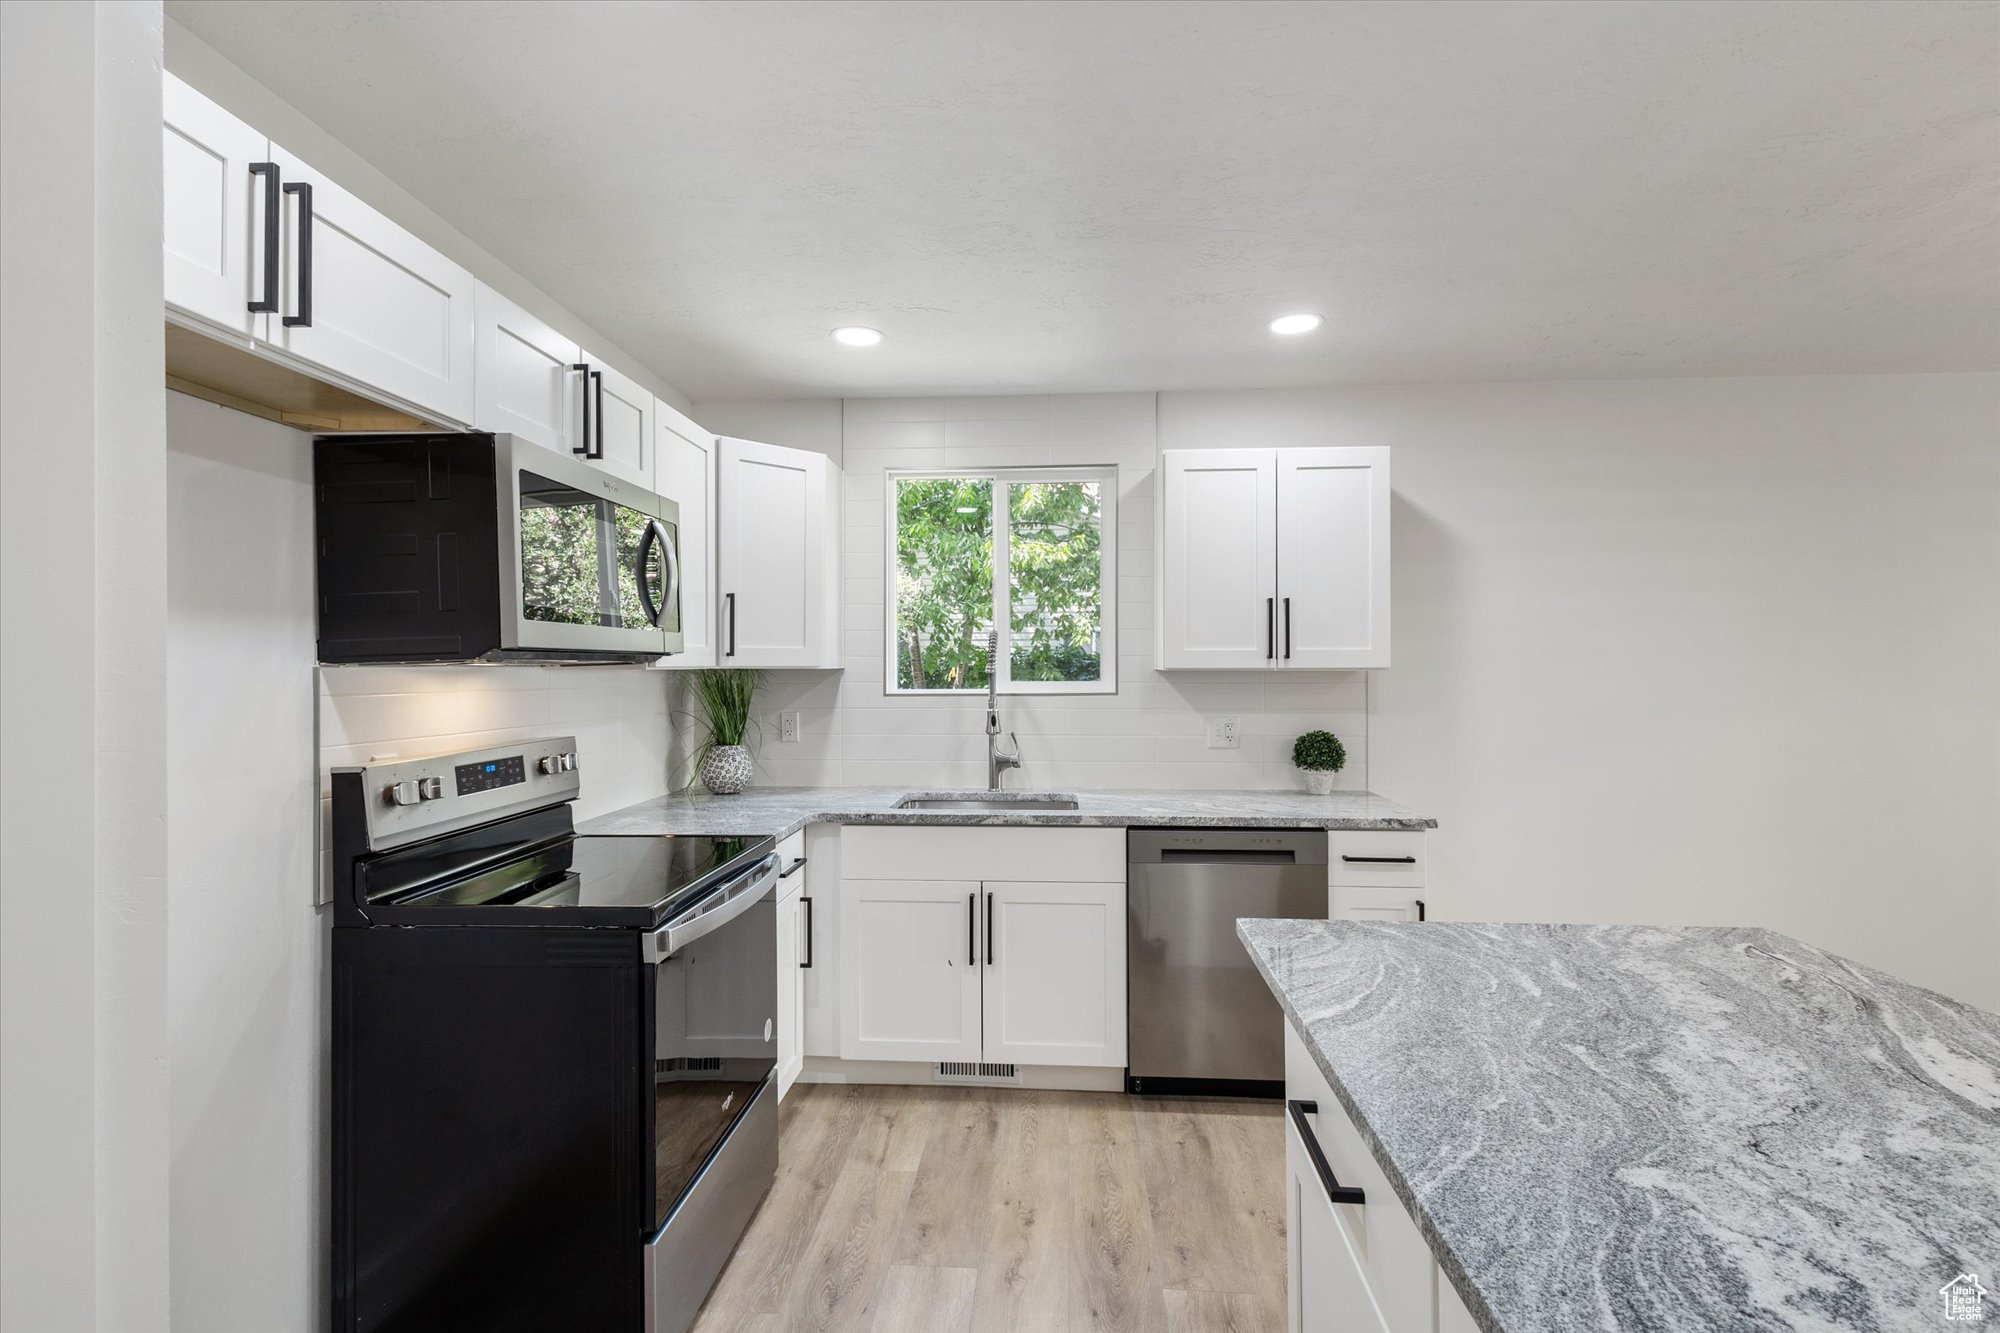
x=485, y=548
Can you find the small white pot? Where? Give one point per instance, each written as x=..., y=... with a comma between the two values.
x=725, y=770
x=1318, y=781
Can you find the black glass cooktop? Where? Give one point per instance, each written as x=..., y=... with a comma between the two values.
x=582, y=881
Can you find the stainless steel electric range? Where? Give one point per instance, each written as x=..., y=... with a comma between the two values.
x=553, y=1102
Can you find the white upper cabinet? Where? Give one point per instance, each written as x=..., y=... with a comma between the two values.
x=1274, y=558
x=363, y=298
x=1218, y=576
x=619, y=413
x=684, y=472
x=778, y=572
x=1333, y=557
x=219, y=188
x=527, y=386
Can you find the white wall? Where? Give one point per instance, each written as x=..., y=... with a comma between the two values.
x=1722, y=651
x=247, y=980
x=246, y=1011
x=83, y=1125
x=1151, y=733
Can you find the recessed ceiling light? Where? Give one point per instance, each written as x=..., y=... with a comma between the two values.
x=1295, y=323
x=854, y=335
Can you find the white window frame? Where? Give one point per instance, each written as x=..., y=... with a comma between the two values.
x=1107, y=541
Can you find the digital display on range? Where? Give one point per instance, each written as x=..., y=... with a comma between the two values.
x=491, y=774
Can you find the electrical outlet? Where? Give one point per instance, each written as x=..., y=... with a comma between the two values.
x=788, y=728
x=1225, y=733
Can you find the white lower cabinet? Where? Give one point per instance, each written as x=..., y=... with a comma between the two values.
x=1376, y=875
x=794, y=958
x=909, y=969
x=1053, y=991
x=1349, y=1266
x=1025, y=968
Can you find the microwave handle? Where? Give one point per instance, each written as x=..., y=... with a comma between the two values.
x=656, y=531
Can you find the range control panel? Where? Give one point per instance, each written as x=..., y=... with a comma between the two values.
x=491, y=774
x=409, y=799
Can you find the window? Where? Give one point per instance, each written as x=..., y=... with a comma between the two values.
x=1033, y=551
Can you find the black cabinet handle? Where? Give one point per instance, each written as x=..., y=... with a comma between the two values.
x=1335, y=1191
x=794, y=869
x=304, y=319
x=1379, y=860
x=582, y=368
x=989, y=930
x=806, y=899
x=273, y=207
x=1420, y=909
x=1288, y=629
x=597, y=387
x=729, y=605
x=1270, y=628
x=972, y=929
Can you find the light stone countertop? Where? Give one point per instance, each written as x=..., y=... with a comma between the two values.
x=781, y=811
x=1633, y=1127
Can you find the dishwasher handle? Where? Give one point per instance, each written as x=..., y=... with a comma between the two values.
x=1180, y=856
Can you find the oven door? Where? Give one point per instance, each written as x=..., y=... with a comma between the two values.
x=715, y=1017
x=715, y=1096
x=588, y=563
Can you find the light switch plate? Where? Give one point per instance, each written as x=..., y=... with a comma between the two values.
x=1225, y=733
x=788, y=727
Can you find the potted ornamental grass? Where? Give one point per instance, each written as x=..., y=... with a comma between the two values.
x=1319, y=756
x=721, y=700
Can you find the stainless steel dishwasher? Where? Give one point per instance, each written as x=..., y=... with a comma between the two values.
x=1199, y=1018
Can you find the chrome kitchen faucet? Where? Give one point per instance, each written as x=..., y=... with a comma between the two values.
x=998, y=759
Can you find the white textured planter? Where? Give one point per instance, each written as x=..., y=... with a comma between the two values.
x=725, y=770
x=1318, y=781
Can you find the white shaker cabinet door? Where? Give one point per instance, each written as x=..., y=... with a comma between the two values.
x=1218, y=558
x=620, y=413
x=777, y=579
x=1328, y=1289
x=218, y=187
x=684, y=472
x=909, y=970
x=365, y=299
x=1055, y=973
x=526, y=385
x=1333, y=557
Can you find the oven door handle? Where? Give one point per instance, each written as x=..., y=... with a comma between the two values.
x=724, y=906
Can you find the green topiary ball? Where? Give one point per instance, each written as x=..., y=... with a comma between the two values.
x=1319, y=752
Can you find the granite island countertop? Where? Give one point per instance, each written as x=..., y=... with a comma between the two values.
x=1660, y=1128
x=780, y=811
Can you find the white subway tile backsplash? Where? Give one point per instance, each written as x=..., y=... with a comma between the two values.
x=863, y=410
x=888, y=436
x=1022, y=407
x=619, y=716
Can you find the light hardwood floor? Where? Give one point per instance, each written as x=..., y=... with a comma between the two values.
x=995, y=1210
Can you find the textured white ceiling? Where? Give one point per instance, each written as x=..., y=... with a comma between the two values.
x=1077, y=196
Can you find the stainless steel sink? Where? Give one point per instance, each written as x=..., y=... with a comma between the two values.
x=990, y=803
